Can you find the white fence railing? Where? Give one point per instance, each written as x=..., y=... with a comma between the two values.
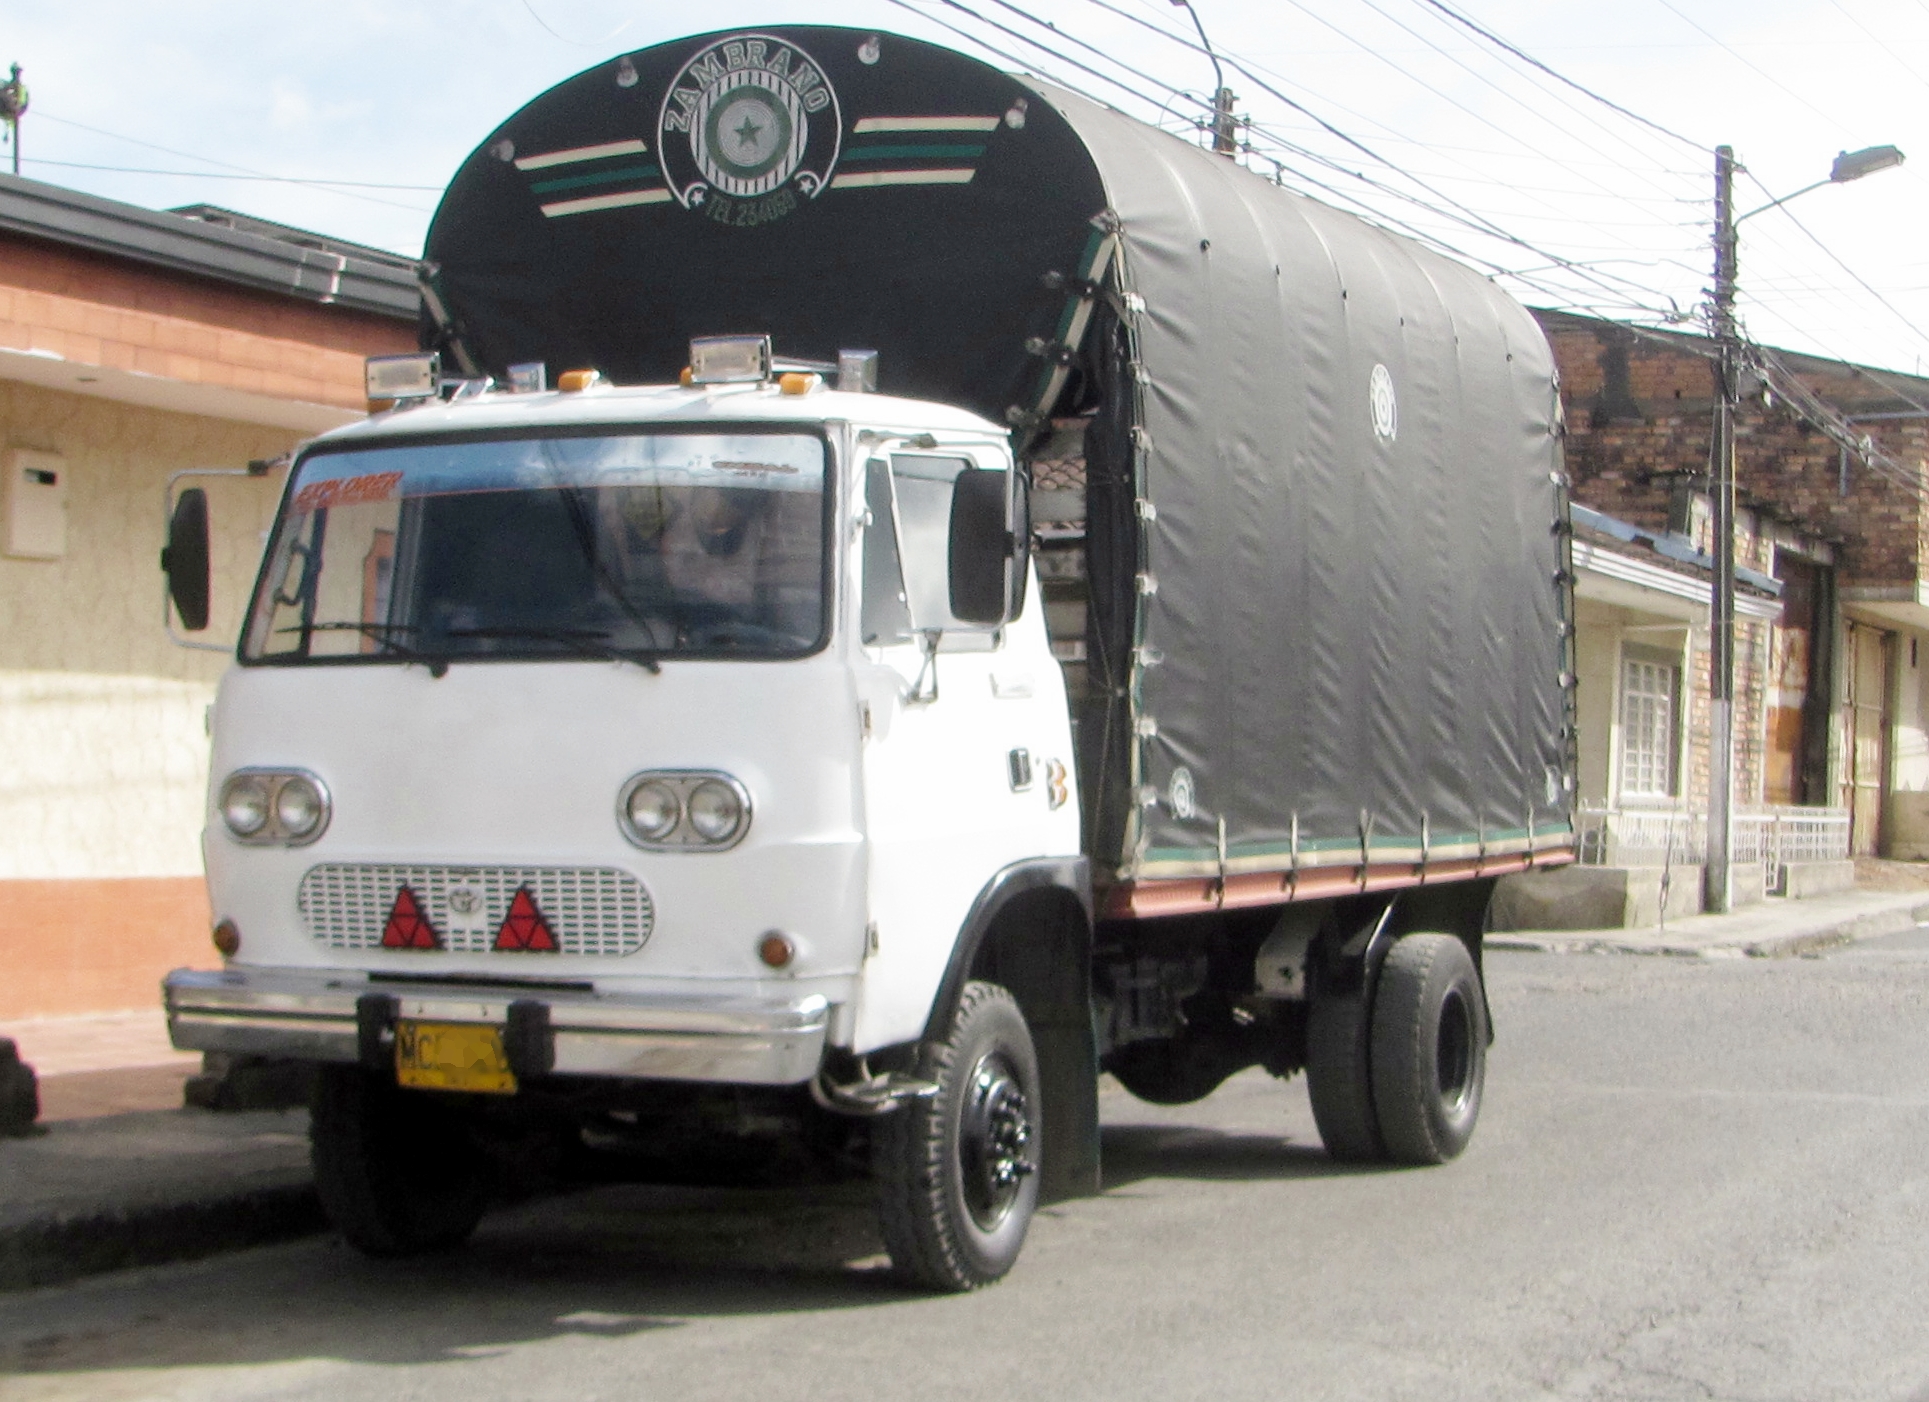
x=1652, y=837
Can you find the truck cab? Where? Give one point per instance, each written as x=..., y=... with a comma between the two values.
x=590, y=740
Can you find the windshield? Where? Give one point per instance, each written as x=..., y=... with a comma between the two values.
x=634, y=545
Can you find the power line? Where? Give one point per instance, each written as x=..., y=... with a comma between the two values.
x=1860, y=281
x=1378, y=52
x=575, y=43
x=225, y=175
x=1455, y=211
x=1379, y=55
x=1885, y=48
x=42, y=115
x=1522, y=103
x=1762, y=72
x=1524, y=57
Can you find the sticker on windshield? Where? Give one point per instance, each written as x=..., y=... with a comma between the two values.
x=754, y=467
x=348, y=491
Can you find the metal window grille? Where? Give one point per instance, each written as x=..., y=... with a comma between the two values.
x=1647, y=728
x=599, y=911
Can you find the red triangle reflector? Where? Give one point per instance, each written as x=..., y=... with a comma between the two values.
x=524, y=927
x=408, y=927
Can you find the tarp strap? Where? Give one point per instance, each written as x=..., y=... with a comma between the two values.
x=427, y=275
x=1081, y=296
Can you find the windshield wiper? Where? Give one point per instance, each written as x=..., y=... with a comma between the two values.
x=584, y=642
x=383, y=633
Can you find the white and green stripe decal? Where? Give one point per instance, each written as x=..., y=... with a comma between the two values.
x=579, y=180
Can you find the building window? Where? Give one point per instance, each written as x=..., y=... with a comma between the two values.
x=1649, y=688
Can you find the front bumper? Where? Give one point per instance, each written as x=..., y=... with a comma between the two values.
x=306, y=1016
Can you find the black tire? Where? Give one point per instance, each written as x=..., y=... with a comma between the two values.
x=1339, y=1029
x=957, y=1173
x=1429, y=1049
x=398, y=1172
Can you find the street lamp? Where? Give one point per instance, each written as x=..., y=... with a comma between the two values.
x=1223, y=141
x=1849, y=165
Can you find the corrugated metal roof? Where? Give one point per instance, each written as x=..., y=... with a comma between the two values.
x=1668, y=545
x=253, y=253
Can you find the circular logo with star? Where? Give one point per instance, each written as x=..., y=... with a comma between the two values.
x=748, y=130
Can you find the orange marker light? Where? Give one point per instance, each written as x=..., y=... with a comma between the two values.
x=797, y=383
x=227, y=939
x=776, y=950
x=686, y=377
x=575, y=381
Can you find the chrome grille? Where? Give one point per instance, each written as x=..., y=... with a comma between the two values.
x=590, y=910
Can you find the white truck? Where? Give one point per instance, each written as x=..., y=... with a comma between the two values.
x=1154, y=681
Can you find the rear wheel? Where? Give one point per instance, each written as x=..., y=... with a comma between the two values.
x=957, y=1172
x=398, y=1172
x=1339, y=1030
x=1429, y=1049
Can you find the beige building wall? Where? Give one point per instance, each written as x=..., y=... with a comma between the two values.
x=103, y=739
x=103, y=720
x=1602, y=633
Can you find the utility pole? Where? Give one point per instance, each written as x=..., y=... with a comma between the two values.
x=1849, y=165
x=1721, y=619
x=13, y=106
x=1225, y=126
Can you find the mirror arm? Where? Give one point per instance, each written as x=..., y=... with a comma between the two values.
x=921, y=694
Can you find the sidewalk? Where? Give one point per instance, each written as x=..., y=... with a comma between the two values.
x=102, y=1063
x=122, y=1175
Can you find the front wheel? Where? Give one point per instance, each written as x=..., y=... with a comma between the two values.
x=957, y=1172
x=398, y=1172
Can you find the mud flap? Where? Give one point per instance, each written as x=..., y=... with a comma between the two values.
x=1068, y=1075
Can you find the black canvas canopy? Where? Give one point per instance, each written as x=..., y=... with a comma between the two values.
x=1324, y=510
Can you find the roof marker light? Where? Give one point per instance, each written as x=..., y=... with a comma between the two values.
x=857, y=371
x=729, y=360
x=798, y=383
x=576, y=381
x=403, y=376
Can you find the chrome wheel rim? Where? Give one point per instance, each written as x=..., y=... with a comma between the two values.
x=994, y=1141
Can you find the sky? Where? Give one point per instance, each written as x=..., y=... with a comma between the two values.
x=1396, y=109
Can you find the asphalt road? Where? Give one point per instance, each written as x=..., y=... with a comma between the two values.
x=1692, y=1180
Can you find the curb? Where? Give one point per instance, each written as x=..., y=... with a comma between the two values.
x=69, y=1248
x=1849, y=930
x=1874, y=925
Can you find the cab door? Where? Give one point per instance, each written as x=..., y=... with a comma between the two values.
x=967, y=741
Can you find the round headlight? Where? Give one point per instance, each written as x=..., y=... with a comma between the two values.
x=715, y=811
x=653, y=811
x=298, y=806
x=244, y=804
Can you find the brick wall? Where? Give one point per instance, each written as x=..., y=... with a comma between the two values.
x=96, y=310
x=1640, y=421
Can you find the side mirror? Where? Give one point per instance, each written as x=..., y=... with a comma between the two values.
x=981, y=546
x=185, y=560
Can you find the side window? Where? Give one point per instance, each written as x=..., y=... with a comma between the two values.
x=924, y=486
x=887, y=613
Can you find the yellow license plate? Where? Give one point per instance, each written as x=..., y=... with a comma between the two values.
x=452, y=1056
